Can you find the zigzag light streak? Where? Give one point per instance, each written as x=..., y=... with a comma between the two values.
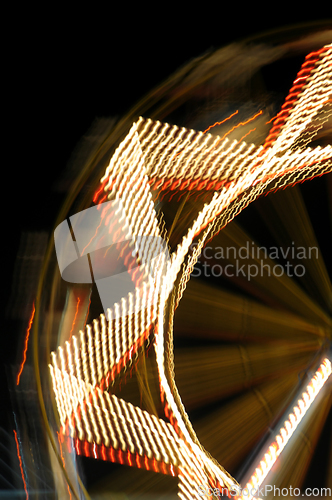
x=161, y=157
x=286, y=432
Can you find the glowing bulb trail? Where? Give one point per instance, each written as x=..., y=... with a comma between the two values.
x=162, y=157
x=300, y=409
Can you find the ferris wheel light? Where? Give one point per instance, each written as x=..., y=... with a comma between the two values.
x=167, y=157
x=314, y=387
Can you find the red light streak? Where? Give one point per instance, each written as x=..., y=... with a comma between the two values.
x=77, y=447
x=300, y=78
x=154, y=465
x=99, y=191
x=101, y=201
x=307, y=67
x=284, y=113
x=21, y=467
x=26, y=345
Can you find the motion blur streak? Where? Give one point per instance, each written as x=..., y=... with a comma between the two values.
x=74, y=321
x=233, y=174
x=222, y=121
x=25, y=346
x=242, y=123
x=63, y=461
x=285, y=433
x=21, y=467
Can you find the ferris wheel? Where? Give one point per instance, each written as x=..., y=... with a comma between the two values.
x=185, y=336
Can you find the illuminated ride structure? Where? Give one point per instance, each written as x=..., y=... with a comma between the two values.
x=153, y=160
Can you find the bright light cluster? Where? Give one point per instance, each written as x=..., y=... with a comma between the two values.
x=162, y=157
x=285, y=433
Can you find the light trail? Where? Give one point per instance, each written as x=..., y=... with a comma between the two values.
x=222, y=121
x=21, y=467
x=25, y=346
x=246, y=135
x=285, y=433
x=103, y=425
x=100, y=190
x=242, y=123
x=63, y=461
x=75, y=317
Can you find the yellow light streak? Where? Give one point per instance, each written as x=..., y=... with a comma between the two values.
x=290, y=425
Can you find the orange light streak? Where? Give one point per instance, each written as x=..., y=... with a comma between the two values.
x=21, y=467
x=242, y=123
x=72, y=328
x=223, y=121
x=26, y=346
x=245, y=135
x=101, y=201
x=271, y=120
x=98, y=192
